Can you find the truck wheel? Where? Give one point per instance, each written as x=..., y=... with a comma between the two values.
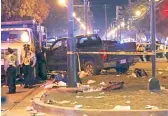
x=91, y=69
x=122, y=69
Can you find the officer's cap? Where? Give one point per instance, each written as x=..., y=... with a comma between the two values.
x=26, y=45
x=10, y=50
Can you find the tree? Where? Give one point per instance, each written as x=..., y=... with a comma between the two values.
x=24, y=9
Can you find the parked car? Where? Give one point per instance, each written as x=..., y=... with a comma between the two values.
x=91, y=63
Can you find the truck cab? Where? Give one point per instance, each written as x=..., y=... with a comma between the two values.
x=15, y=34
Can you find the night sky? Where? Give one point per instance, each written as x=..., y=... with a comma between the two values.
x=97, y=7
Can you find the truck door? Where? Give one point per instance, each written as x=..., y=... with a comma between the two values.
x=57, y=57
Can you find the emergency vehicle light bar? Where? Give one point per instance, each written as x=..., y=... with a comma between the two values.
x=19, y=22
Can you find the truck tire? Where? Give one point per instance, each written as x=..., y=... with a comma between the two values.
x=91, y=69
x=122, y=69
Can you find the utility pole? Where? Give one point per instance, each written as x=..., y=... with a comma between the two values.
x=85, y=15
x=154, y=84
x=105, y=20
x=71, y=56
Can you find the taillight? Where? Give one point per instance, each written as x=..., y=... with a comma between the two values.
x=104, y=56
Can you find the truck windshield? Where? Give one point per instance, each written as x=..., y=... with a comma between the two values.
x=15, y=36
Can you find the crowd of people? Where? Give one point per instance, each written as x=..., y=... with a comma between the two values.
x=147, y=48
x=28, y=63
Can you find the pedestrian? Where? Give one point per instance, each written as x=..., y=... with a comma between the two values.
x=148, y=50
x=10, y=69
x=28, y=65
x=141, y=49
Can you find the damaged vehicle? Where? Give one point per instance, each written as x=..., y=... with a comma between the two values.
x=91, y=63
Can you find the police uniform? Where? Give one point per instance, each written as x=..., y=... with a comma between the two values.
x=11, y=70
x=28, y=63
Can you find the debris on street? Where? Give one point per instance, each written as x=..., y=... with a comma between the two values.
x=29, y=108
x=140, y=72
x=101, y=93
x=160, y=73
x=103, y=83
x=113, y=86
x=119, y=107
x=91, y=82
x=128, y=102
x=40, y=114
x=78, y=106
x=151, y=107
x=79, y=96
x=89, y=97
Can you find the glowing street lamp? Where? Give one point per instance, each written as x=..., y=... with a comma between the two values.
x=62, y=2
x=74, y=14
x=122, y=24
x=138, y=13
x=78, y=19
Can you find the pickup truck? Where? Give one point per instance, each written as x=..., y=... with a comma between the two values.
x=91, y=63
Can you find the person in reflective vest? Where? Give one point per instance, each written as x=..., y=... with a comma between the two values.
x=28, y=64
x=10, y=68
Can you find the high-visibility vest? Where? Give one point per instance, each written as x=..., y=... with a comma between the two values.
x=27, y=59
x=11, y=59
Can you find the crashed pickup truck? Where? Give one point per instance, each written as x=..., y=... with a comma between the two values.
x=91, y=63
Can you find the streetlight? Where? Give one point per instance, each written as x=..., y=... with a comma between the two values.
x=122, y=24
x=74, y=14
x=62, y=2
x=138, y=13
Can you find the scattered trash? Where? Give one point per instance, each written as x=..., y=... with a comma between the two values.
x=29, y=108
x=160, y=73
x=63, y=102
x=84, y=87
x=119, y=107
x=101, y=93
x=117, y=75
x=151, y=107
x=99, y=97
x=103, y=83
x=128, y=102
x=91, y=82
x=77, y=106
x=40, y=114
x=33, y=112
x=142, y=91
x=50, y=102
x=89, y=97
x=134, y=75
x=140, y=72
x=79, y=96
x=61, y=83
x=164, y=77
x=114, y=86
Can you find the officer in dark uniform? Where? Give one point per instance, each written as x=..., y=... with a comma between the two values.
x=10, y=68
x=28, y=64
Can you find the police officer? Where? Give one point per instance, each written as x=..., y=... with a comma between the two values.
x=10, y=68
x=28, y=64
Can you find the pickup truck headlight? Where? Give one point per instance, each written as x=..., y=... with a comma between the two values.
x=25, y=37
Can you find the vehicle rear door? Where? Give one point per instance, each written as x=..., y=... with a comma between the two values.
x=57, y=57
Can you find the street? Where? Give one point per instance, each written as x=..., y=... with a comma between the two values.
x=17, y=103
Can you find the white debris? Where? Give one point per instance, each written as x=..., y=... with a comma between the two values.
x=64, y=102
x=91, y=82
x=33, y=112
x=128, y=102
x=101, y=93
x=151, y=107
x=29, y=108
x=103, y=83
x=40, y=114
x=79, y=96
x=117, y=75
x=77, y=106
x=61, y=83
x=99, y=97
x=89, y=97
x=119, y=107
x=84, y=87
x=134, y=75
x=160, y=73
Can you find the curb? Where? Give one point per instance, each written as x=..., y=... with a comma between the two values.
x=67, y=111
